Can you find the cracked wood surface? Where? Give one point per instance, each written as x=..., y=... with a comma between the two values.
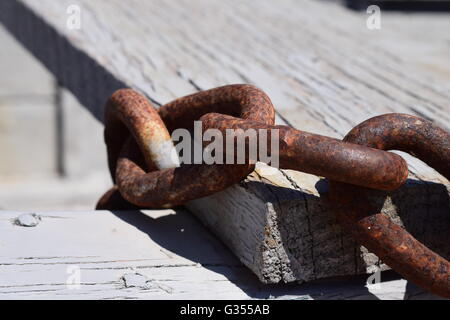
x=163, y=254
x=36, y=262
x=324, y=71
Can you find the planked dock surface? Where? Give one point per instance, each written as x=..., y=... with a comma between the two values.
x=158, y=254
x=324, y=71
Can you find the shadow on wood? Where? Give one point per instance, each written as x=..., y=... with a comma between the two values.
x=74, y=69
x=410, y=6
x=169, y=232
x=317, y=247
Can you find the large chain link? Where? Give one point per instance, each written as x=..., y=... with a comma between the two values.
x=147, y=173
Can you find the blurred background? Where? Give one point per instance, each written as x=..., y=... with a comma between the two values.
x=52, y=151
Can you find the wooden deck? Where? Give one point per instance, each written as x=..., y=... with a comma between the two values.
x=162, y=254
x=324, y=71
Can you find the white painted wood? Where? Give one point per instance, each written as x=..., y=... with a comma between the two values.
x=323, y=69
x=166, y=246
x=176, y=257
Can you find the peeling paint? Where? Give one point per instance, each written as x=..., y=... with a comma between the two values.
x=135, y=280
x=28, y=220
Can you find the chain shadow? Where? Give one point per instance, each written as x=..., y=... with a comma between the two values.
x=339, y=254
x=313, y=244
x=425, y=212
x=181, y=234
x=298, y=213
x=177, y=234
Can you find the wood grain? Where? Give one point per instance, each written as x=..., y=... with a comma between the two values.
x=172, y=253
x=324, y=71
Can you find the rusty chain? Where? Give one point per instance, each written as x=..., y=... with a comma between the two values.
x=138, y=144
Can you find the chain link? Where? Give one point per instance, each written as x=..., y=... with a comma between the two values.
x=146, y=174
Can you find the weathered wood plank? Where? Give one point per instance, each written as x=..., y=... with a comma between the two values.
x=286, y=234
x=175, y=254
x=324, y=70
x=163, y=254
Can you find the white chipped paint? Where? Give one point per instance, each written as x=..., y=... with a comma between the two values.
x=28, y=220
x=135, y=280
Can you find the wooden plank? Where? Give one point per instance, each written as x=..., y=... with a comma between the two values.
x=169, y=248
x=286, y=234
x=323, y=69
x=163, y=254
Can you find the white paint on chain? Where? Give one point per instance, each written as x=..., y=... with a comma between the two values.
x=164, y=154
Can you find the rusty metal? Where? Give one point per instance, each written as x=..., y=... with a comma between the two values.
x=127, y=112
x=356, y=166
x=359, y=212
x=323, y=156
x=148, y=187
